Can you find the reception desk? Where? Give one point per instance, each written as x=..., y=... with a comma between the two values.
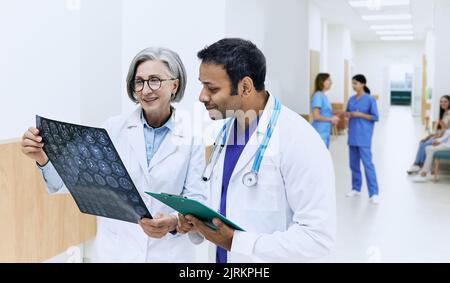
x=35, y=226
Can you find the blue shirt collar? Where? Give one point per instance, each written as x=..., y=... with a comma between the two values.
x=169, y=124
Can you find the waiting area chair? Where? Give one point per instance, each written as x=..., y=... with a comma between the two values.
x=438, y=157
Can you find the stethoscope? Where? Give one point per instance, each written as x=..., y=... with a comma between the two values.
x=250, y=179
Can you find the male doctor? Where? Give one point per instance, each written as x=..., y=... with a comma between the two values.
x=274, y=176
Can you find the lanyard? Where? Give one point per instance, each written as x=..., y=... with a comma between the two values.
x=263, y=146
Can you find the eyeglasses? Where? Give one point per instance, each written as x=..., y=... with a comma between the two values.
x=153, y=83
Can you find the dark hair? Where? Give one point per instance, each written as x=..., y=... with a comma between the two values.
x=240, y=58
x=320, y=80
x=442, y=110
x=362, y=79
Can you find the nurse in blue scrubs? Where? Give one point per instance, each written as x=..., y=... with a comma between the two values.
x=322, y=113
x=362, y=113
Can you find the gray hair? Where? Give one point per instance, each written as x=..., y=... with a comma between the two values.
x=169, y=58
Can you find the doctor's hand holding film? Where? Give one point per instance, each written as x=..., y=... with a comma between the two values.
x=32, y=146
x=159, y=226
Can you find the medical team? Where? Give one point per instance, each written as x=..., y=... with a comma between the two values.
x=362, y=113
x=270, y=170
x=159, y=156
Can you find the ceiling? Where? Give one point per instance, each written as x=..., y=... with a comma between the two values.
x=339, y=12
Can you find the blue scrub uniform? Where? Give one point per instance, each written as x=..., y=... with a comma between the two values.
x=320, y=100
x=360, y=132
x=236, y=143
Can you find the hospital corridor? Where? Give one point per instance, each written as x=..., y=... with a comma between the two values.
x=390, y=233
x=224, y=132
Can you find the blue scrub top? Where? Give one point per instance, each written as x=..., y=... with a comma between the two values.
x=360, y=131
x=320, y=100
x=236, y=143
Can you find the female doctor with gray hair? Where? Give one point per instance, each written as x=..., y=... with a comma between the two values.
x=159, y=155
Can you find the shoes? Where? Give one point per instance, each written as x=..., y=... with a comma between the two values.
x=375, y=200
x=413, y=169
x=352, y=194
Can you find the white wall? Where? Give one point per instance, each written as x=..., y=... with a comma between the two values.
x=281, y=32
x=318, y=34
x=183, y=26
x=315, y=27
x=187, y=30
x=374, y=58
x=62, y=60
x=101, y=51
x=441, y=79
x=75, y=59
x=340, y=49
x=430, y=49
x=324, y=53
x=39, y=64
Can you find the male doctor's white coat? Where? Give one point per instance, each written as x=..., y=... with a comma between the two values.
x=175, y=169
x=290, y=215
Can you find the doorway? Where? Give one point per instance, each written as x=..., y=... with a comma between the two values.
x=402, y=82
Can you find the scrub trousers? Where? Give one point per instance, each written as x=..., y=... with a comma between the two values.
x=364, y=154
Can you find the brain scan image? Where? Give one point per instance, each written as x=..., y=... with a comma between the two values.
x=65, y=133
x=118, y=169
x=84, y=151
x=58, y=139
x=88, y=177
x=96, y=152
x=76, y=138
x=104, y=167
x=139, y=210
x=110, y=154
x=80, y=163
x=90, y=167
x=101, y=138
x=123, y=196
x=53, y=128
x=124, y=183
x=73, y=149
x=88, y=137
x=64, y=151
x=112, y=182
x=99, y=180
x=134, y=198
x=52, y=148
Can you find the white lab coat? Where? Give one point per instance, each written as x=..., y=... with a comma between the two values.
x=175, y=169
x=290, y=216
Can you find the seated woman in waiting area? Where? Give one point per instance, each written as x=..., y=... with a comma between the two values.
x=442, y=125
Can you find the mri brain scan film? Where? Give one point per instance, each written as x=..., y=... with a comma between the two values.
x=90, y=167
